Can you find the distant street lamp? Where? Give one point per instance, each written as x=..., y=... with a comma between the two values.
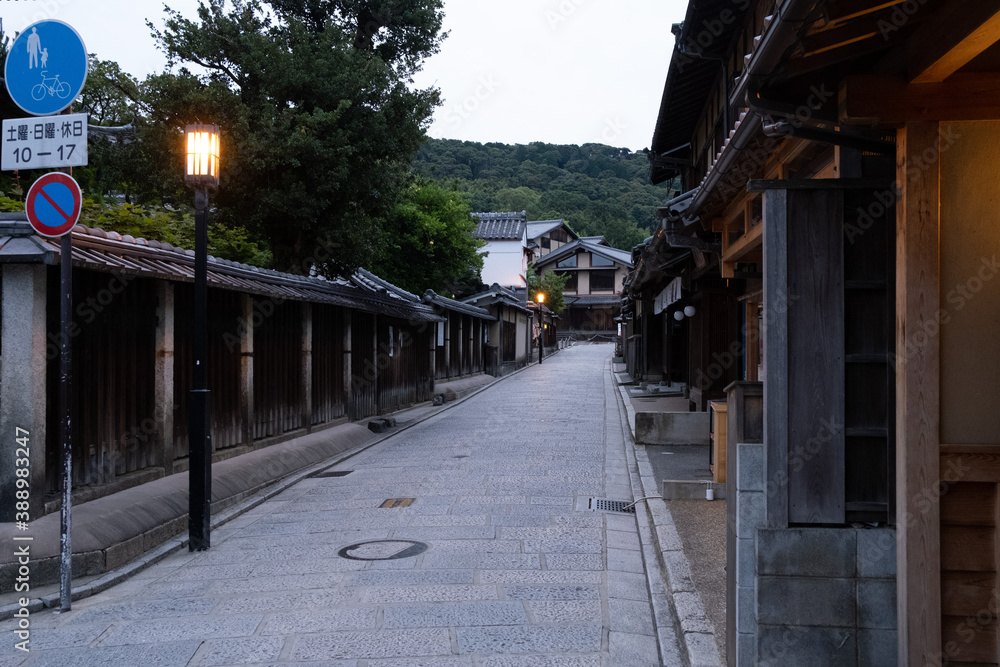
x=201, y=173
x=541, y=325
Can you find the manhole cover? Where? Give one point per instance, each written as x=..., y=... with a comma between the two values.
x=383, y=550
x=333, y=473
x=605, y=505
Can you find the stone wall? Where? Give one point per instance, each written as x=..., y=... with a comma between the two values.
x=809, y=595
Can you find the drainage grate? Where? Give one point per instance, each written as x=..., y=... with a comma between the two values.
x=605, y=505
x=397, y=502
x=333, y=473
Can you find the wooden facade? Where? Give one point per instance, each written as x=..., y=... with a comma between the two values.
x=836, y=161
x=287, y=355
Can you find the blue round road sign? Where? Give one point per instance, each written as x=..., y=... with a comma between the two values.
x=46, y=67
x=53, y=204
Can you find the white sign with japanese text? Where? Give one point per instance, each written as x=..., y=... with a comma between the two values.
x=44, y=143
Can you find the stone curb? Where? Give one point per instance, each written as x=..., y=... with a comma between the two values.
x=157, y=554
x=663, y=553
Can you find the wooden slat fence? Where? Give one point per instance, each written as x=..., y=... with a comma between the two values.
x=277, y=368
x=364, y=375
x=112, y=409
x=328, y=401
x=224, y=326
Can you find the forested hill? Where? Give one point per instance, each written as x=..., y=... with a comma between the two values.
x=597, y=189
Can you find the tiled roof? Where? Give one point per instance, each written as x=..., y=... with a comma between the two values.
x=536, y=229
x=501, y=226
x=496, y=295
x=442, y=303
x=100, y=250
x=614, y=254
x=594, y=300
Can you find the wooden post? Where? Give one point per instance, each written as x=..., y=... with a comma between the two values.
x=346, y=348
x=247, y=415
x=163, y=377
x=461, y=345
x=307, y=366
x=375, y=365
x=918, y=396
x=776, y=357
x=447, y=344
x=432, y=350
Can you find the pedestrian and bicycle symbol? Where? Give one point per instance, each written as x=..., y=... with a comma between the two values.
x=53, y=204
x=46, y=67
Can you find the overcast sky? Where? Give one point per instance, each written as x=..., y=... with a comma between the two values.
x=559, y=71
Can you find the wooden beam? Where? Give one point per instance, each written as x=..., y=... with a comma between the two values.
x=960, y=32
x=743, y=244
x=881, y=100
x=850, y=9
x=918, y=402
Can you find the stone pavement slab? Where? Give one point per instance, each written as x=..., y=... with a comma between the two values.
x=493, y=562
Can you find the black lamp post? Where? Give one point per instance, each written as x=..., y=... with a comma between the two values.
x=201, y=173
x=541, y=326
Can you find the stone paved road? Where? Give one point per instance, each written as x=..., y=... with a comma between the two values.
x=517, y=572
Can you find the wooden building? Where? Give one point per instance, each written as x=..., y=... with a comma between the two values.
x=593, y=292
x=508, y=337
x=461, y=341
x=841, y=154
x=288, y=355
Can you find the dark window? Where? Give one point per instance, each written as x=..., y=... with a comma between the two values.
x=597, y=260
x=602, y=281
x=571, y=283
x=546, y=242
x=568, y=263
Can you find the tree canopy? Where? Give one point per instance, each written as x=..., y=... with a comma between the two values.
x=597, y=189
x=551, y=284
x=431, y=243
x=319, y=121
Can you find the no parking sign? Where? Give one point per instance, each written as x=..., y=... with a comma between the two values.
x=53, y=204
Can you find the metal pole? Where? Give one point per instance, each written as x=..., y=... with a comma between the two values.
x=199, y=434
x=65, y=432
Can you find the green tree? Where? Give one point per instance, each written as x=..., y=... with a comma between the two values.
x=551, y=284
x=319, y=122
x=431, y=244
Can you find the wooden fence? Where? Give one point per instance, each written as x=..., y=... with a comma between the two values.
x=266, y=356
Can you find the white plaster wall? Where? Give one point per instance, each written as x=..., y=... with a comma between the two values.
x=504, y=264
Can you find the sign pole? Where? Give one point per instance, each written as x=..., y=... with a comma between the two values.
x=65, y=432
x=45, y=70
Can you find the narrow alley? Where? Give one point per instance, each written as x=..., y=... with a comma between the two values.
x=464, y=540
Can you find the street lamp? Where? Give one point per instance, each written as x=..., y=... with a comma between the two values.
x=541, y=325
x=201, y=173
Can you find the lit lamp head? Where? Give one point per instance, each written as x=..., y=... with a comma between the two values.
x=541, y=297
x=678, y=315
x=201, y=159
x=689, y=311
